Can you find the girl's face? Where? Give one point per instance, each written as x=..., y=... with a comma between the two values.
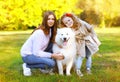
x=68, y=21
x=51, y=20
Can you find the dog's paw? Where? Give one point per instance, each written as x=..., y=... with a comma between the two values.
x=68, y=74
x=61, y=74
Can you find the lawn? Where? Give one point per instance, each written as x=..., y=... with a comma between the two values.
x=106, y=62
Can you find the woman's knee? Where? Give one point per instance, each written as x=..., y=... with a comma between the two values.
x=30, y=59
x=52, y=63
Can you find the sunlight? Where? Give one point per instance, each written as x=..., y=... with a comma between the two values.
x=108, y=30
x=15, y=32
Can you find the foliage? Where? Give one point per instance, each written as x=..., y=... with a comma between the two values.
x=109, y=10
x=116, y=21
x=106, y=9
x=24, y=14
x=91, y=17
x=21, y=14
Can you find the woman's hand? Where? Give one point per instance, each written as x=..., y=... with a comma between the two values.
x=57, y=56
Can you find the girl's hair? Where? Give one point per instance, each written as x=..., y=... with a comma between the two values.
x=44, y=26
x=76, y=23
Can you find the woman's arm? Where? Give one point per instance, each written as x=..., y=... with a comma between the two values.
x=39, y=44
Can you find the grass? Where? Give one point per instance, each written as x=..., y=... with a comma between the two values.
x=106, y=62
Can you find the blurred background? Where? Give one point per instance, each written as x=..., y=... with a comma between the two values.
x=27, y=14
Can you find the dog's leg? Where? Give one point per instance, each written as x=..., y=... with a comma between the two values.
x=60, y=67
x=68, y=68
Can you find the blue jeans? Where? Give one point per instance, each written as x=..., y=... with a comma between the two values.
x=88, y=60
x=33, y=61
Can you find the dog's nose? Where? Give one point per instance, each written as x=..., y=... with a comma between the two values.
x=65, y=39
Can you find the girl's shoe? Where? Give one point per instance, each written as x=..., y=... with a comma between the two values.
x=79, y=73
x=26, y=70
x=88, y=71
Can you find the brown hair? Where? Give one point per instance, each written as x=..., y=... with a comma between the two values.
x=44, y=26
x=74, y=18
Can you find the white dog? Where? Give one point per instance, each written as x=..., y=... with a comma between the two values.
x=66, y=45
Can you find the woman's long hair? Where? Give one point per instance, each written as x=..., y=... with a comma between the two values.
x=44, y=26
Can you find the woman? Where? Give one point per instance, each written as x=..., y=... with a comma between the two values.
x=87, y=41
x=36, y=53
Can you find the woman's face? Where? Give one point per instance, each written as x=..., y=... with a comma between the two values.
x=68, y=21
x=51, y=20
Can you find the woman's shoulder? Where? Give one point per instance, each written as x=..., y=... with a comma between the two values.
x=38, y=32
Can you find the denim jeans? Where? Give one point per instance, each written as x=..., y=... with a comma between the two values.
x=88, y=60
x=33, y=61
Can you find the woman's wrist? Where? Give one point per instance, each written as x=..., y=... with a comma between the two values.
x=52, y=56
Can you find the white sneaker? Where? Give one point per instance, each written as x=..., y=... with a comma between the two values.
x=26, y=70
x=79, y=73
x=88, y=71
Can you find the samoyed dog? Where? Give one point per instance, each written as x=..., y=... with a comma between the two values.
x=65, y=44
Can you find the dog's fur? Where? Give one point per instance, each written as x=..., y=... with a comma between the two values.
x=66, y=45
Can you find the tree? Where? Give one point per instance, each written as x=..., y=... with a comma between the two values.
x=106, y=9
x=21, y=14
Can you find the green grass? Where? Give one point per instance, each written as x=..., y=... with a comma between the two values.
x=106, y=62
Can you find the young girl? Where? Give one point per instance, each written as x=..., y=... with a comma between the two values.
x=36, y=52
x=87, y=41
